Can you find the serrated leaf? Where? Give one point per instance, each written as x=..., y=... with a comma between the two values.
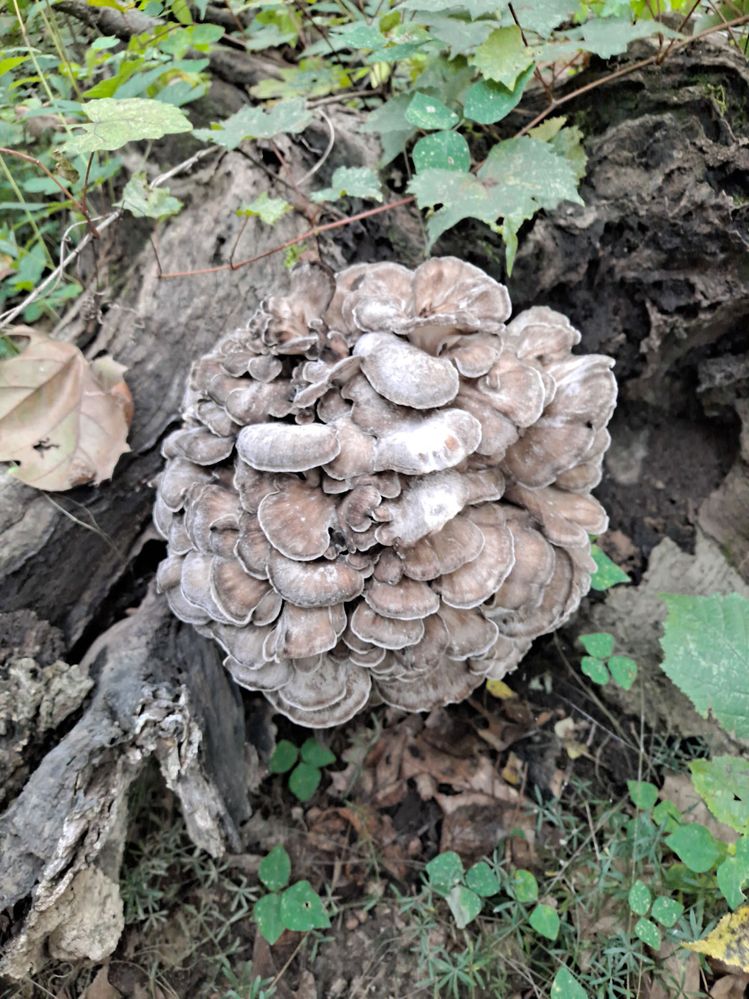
x=357, y=35
x=444, y=871
x=302, y=909
x=729, y=941
x=623, y=671
x=524, y=886
x=256, y=123
x=63, y=420
x=503, y=56
x=283, y=758
x=566, y=986
x=267, y=915
x=144, y=201
x=351, y=182
x=268, y=210
x=317, y=755
x=643, y=794
x=482, y=879
x=733, y=874
x=545, y=921
x=648, y=932
x=474, y=8
x=464, y=904
x=442, y=150
x=706, y=654
x=594, y=669
x=607, y=573
x=115, y=122
x=487, y=102
x=724, y=784
x=542, y=16
x=599, y=644
x=460, y=35
x=304, y=781
x=610, y=36
x=639, y=898
x=275, y=869
x=429, y=114
x=667, y=911
x=695, y=845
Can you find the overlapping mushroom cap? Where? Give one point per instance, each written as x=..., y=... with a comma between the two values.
x=382, y=488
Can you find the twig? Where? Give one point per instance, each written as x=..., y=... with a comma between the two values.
x=328, y=150
x=4, y=151
x=536, y=71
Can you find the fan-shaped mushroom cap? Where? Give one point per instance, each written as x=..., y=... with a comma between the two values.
x=380, y=487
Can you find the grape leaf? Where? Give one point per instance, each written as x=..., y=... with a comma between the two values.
x=610, y=36
x=724, y=784
x=430, y=114
x=706, y=654
x=256, y=123
x=475, y=8
x=542, y=16
x=115, y=122
x=487, y=102
x=442, y=150
x=144, y=201
x=268, y=210
x=351, y=182
x=503, y=56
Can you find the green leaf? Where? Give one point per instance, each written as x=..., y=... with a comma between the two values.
x=524, y=886
x=542, y=16
x=389, y=122
x=116, y=122
x=595, y=669
x=302, y=908
x=724, y=784
x=461, y=36
x=268, y=210
x=444, y=871
x=143, y=201
x=442, y=150
x=731, y=877
x=545, y=921
x=599, y=644
x=610, y=36
x=357, y=35
x=275, y=869
x=566, y=986
x=648, y=932
x=475, y=8
x=255, y=123
x=695, y=846
x=666, y=814
x=482, y=879
x=667, y=911
x=351, y=182
x=639, y=898
x=464, y=904
x=429, y=114
x=267, y=915
x=304, y=781
x=487, y=102
x=706, y=647
x=314, y=753
x=503, y=56
x=607, y=573
x=623, y=671
x=284, y=757
x=643, y=794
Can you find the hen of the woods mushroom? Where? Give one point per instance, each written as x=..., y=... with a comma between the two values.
x=380, y=488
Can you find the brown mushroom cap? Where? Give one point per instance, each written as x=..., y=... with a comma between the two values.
x=381, y=487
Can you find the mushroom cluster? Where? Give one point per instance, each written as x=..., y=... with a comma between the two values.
x=381, y=488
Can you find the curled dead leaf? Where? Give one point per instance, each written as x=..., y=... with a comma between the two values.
x=63, y=420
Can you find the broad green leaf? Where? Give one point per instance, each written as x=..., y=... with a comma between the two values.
x=545, y=921
x=304, y=781
x=389, y=122
x=429, y=114
x=706, y=647
x=648, y=932
x=599, y=644
x=113, y=123
x=607, y=573
x=724, y=784
x=267, y=915
x=443, y=151
x=474, y=8
x=503, y=56
x=623, y=671
x=639, y=898
x=464, y=904
x=302, y=908
x=542, y=16
x=351, y=182
x=148, y=202
x=444, y=871
x=568, y=142
x=524, y=886
x=610, y=36
x=460, y=35
x=314, y=753
x=268, y=210
x=667, y=911
x=733, y=874
x=310, y=78
x=487, y=102
x=357, y=35
x=595, y=669
x=566, y=986
x=695, y=846
x=482, y=879
x=10, y=63
x=643, y=794
x=666, y=814
x=275, y=869
x=256, y=123
x=284, y=757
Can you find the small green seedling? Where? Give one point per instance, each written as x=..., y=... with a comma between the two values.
x=607, y=573
x=286, y=907
x=306, y=774
x=601, y=665
x=664, y=911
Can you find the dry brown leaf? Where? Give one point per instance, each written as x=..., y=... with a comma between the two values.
x=63, y=420
x=100, y=987
x=679, y=789
x=730, y=987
